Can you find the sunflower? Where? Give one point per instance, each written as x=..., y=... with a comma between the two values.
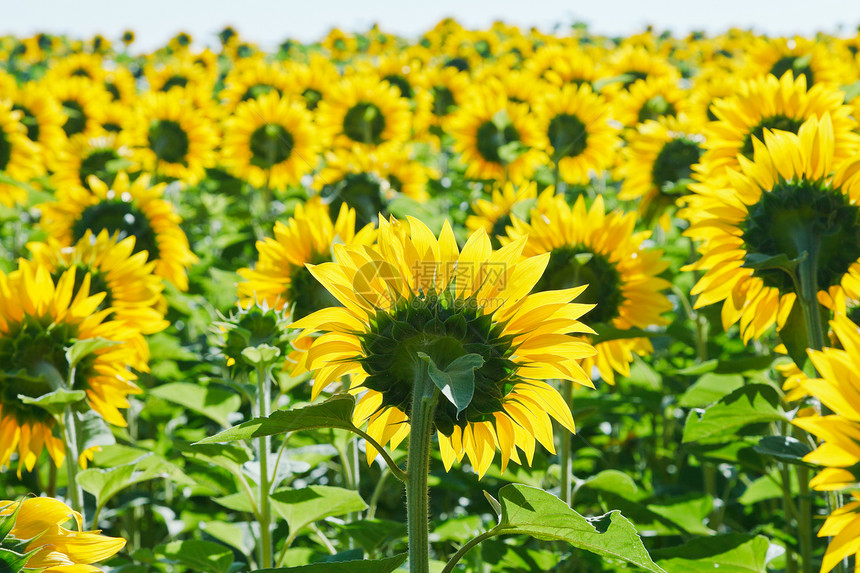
x=579, y=138
x=839, y=449
x=89, y=66
x=368, y=182
x=252, y=78
x=769, y=103
x=497, y=138
x=182, y=74
x=494, y=215
x=124, y=209
x=121, y=85
x=270, y=141
x=563, y=65
x=589, y=246
x=172, y=138
x=362, y=111
x=815, y=60
x=19, y=157
x=43, y=119
x=38, y=525
x=794, y=183
x=447, y=88
x=631, y=64
x=39, y=318
x=132, y=290
x=103, y=156
x=280, y=277
x=339, y=44
x=312, y=82
x=412, y=295
x=82, y=101
x=657, y=165
x=650, y=99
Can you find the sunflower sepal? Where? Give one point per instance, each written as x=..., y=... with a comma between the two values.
x=261, y=356
x=13, y=560
x=7, y=522
x=55, y=402
x=83, y=348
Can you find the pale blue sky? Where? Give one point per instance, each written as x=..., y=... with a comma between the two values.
x=268, y=22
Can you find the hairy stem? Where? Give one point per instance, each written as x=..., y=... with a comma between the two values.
x=424, y=396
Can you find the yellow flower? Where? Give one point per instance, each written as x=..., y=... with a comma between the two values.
x=103, y=156
x=361, y=111
x=280, y=277
x=125, y=209
x=252, y=78
x=591, y=247
x=19, y=157
x=172, y=138
x=414, y=294
x=650, y=99
x=39, y=318
x=39, y=523
x=270, y=141
x=82, y=101
x=839, y=435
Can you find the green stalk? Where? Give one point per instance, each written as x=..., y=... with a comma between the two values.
x=73, y=490
x=565, y=446
x=264, y=397
x=424, y=396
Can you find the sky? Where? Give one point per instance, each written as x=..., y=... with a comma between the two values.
x=269, y=22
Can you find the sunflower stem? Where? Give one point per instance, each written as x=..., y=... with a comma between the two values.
x=424, y=397
x=73, y=490
x=264, y=397
x=565, y=446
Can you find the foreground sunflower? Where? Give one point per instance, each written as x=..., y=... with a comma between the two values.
x=795, y=198
x=838, y=452
x=280, y=277
x=413, y=303
x=39, y=318
x=126, y=209
x=37, y=523
x=592, y=247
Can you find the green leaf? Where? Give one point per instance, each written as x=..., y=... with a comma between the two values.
x=336, y=412
x=795, y=336
x=851, y=91
x=460, y=529
x=55, y=402
x=768, y=487
x=760, y=262
x=7, y=522
x=783, y=448
x=364, y=566
x=616, y=482
x=213, y=402
x=607, y=332
x=751, y=404
x=371, y=534
x=11, y=562
x=83, y=348
x=106, y=483
x=697, y=369
x=710, y=388
x=688, y=513
x=262, y=355
x=537, y=513
x=199, y=555
x=457, y=381
x=92, y=430
x=731, y=553
x=301, y=507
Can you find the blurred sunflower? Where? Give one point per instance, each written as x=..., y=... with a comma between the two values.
x=124, y=209
x=650, y=99
x=591, y=247
x=339, y=44
x=630, y=64
x=413, y=294
x=495, y=215
x=39, y=320
x=795, y=196
x=312, y=82
x=498, y=139
x=280, y=277
x=770, y=103
x=447, y=88
x=81, y=101
x=815, y=60
x=38, y=526
x=580, y=139
x=270, y=141
x=103, y=156
x=657, y=165
x=839, y=449
x=252, y=78
x=43, y=119
x=563, y=65
x=19, y=157
x=172, y=138
x=132, y=290
x=362, y=111
x=368, y=182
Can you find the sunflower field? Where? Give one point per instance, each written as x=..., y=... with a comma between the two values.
x=479, y=301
